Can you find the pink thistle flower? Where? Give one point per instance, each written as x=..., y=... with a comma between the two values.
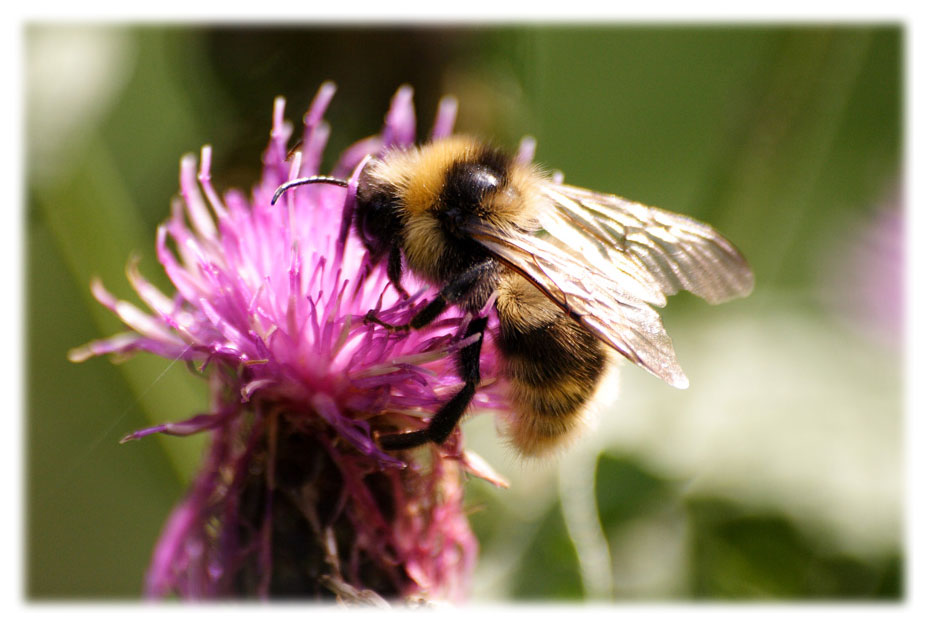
x=295, y=497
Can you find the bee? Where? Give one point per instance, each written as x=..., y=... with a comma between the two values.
x=576, y=275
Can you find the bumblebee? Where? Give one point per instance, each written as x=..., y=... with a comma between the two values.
x=575, y=274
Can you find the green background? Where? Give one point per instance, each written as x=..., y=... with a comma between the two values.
x=776, y=476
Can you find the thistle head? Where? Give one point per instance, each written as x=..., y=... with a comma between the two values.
x=269, y=303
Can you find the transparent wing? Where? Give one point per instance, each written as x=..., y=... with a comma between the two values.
x=604, y=259
x=608, y=306
x=676, y=251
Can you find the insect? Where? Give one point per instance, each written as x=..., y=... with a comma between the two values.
x=576, y=275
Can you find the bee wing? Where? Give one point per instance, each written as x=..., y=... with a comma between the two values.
x=672, y=251
x=608, y=306
x=604, y=259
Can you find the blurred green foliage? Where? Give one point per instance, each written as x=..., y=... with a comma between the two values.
x=730, y=553
x=785, y=138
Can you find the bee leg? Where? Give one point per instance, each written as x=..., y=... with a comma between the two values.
x=447, y=417
x=468, y=358
x=419, y=320
x=395, y=271
x=450, y=294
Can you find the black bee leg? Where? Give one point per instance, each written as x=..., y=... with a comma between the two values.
x=439, y=428
x=419, y=320
x=395, y=271
x=451, y=411
x=452, y=293
x=370, y=317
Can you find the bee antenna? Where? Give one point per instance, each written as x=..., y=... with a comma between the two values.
x=302, y=181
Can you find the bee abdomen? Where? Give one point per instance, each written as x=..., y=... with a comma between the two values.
x=554, y=367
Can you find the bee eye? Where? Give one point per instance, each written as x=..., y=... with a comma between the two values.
x=367, y=228
x=364, y=224
x=376, y=222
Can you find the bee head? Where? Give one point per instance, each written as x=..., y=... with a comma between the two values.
x=377, y=216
